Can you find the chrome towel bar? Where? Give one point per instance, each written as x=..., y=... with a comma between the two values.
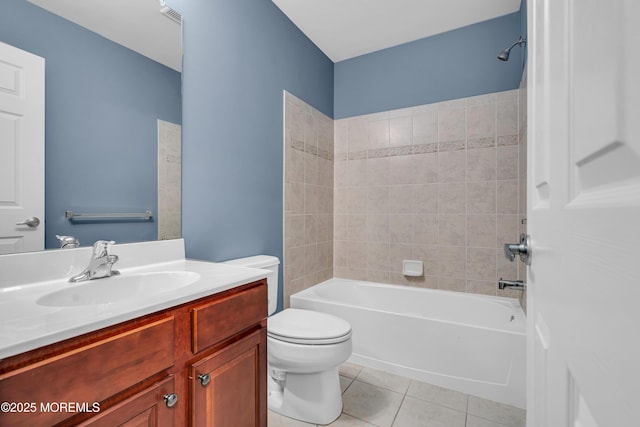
x=127, y=215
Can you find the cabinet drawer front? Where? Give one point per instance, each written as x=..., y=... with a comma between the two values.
x=227, y=316
x=89, y=374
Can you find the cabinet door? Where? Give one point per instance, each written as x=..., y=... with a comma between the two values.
x=147, y=408
x=229, y=387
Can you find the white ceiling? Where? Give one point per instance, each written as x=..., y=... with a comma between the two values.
x=343, y=29
x=136, y=24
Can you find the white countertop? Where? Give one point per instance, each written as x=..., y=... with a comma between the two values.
x=24, y=278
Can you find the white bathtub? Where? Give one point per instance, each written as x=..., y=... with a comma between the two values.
x=471, y=343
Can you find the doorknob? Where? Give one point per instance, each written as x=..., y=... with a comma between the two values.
x=522, y=249
x=32, y=222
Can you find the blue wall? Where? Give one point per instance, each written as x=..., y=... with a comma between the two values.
x=455, y=64
x=101, y=109
x=239, y=56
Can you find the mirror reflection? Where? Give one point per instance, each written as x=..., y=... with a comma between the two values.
x=112, y=118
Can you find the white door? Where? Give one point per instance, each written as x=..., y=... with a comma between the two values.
x=584, y=213
x=21, y=150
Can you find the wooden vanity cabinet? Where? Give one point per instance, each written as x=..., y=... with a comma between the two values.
x=149, y=371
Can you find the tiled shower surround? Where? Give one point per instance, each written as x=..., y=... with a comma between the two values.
x=437, y=183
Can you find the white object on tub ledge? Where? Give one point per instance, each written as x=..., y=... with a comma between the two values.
x=412, y=268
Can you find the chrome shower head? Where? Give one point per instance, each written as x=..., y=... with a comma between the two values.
x=504, y=55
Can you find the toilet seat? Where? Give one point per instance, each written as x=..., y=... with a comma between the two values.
x=307, y=327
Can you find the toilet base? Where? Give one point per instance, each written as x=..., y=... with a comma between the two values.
x=314, y=398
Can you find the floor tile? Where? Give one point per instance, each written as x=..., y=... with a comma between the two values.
x=473, y=421
x=497, y=412
x=345, y=382
x=384, y=379
x=441, y=396
x=276, y=420
x=350, y=370
x=349, y=421
x=420, y=413
x=367, y=402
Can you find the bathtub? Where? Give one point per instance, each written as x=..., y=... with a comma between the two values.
x=471, y=343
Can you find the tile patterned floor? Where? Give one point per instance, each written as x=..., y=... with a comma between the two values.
x=373, y=398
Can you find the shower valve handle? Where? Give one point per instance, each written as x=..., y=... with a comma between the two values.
x=522, y=249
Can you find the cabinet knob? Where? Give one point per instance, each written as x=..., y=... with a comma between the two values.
x=204, y=379
x=171, y=399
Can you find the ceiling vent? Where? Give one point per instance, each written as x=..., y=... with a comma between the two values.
x=171, y=14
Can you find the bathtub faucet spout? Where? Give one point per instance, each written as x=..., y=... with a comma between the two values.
x=513, y=284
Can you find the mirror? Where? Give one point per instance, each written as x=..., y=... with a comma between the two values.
x=111, y=94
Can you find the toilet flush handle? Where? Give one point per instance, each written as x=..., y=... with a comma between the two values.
x=204, y=379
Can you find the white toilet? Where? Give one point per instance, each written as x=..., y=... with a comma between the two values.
x=304, y=350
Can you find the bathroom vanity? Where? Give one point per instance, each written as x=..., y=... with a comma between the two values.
x=195, y=355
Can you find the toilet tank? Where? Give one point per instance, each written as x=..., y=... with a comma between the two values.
x=265, y=262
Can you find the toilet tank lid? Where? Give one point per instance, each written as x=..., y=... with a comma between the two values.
x=258, y=261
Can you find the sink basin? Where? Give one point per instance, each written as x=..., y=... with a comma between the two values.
x=119, y=288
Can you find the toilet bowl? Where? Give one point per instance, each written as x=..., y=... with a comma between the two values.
x=304, y=351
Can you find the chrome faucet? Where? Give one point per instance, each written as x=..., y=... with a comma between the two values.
x=101, y=263
x=513, y=284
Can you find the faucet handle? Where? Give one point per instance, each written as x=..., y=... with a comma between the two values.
x=101, y=248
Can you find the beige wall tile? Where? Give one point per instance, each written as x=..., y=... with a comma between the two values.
x=507, y=118
x=451, y=198
x=401, y=199
x=507, y=229
x=310, y=229
x=481, y=231
x=507, y=162
x=425, y=168
x=377, y=171
x=481, y=287
x=357, y=257
x=508, y=197
x=425, y=229
x=452, y=166
x=397, y=253
x=401, y=228
x=356, y=200
x=428, y=254
x=378, y=199
x=451, y=230
x=378, y=228
x=425, y=199
x=340, y=254
x=400, y=170
x=425, y=127
x=481, y=197
x=378, y=131
x=357, y=173
x=340, y=174
x=378, y=256
x=451, y=284
x=451, y=261
x=357, y=227
x=481, y=164
x=451, y=124
x=481, y=121
x=340, y=201
x=481, y=264
x=401, y=131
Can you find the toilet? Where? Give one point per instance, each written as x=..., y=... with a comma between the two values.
x=304, y=351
